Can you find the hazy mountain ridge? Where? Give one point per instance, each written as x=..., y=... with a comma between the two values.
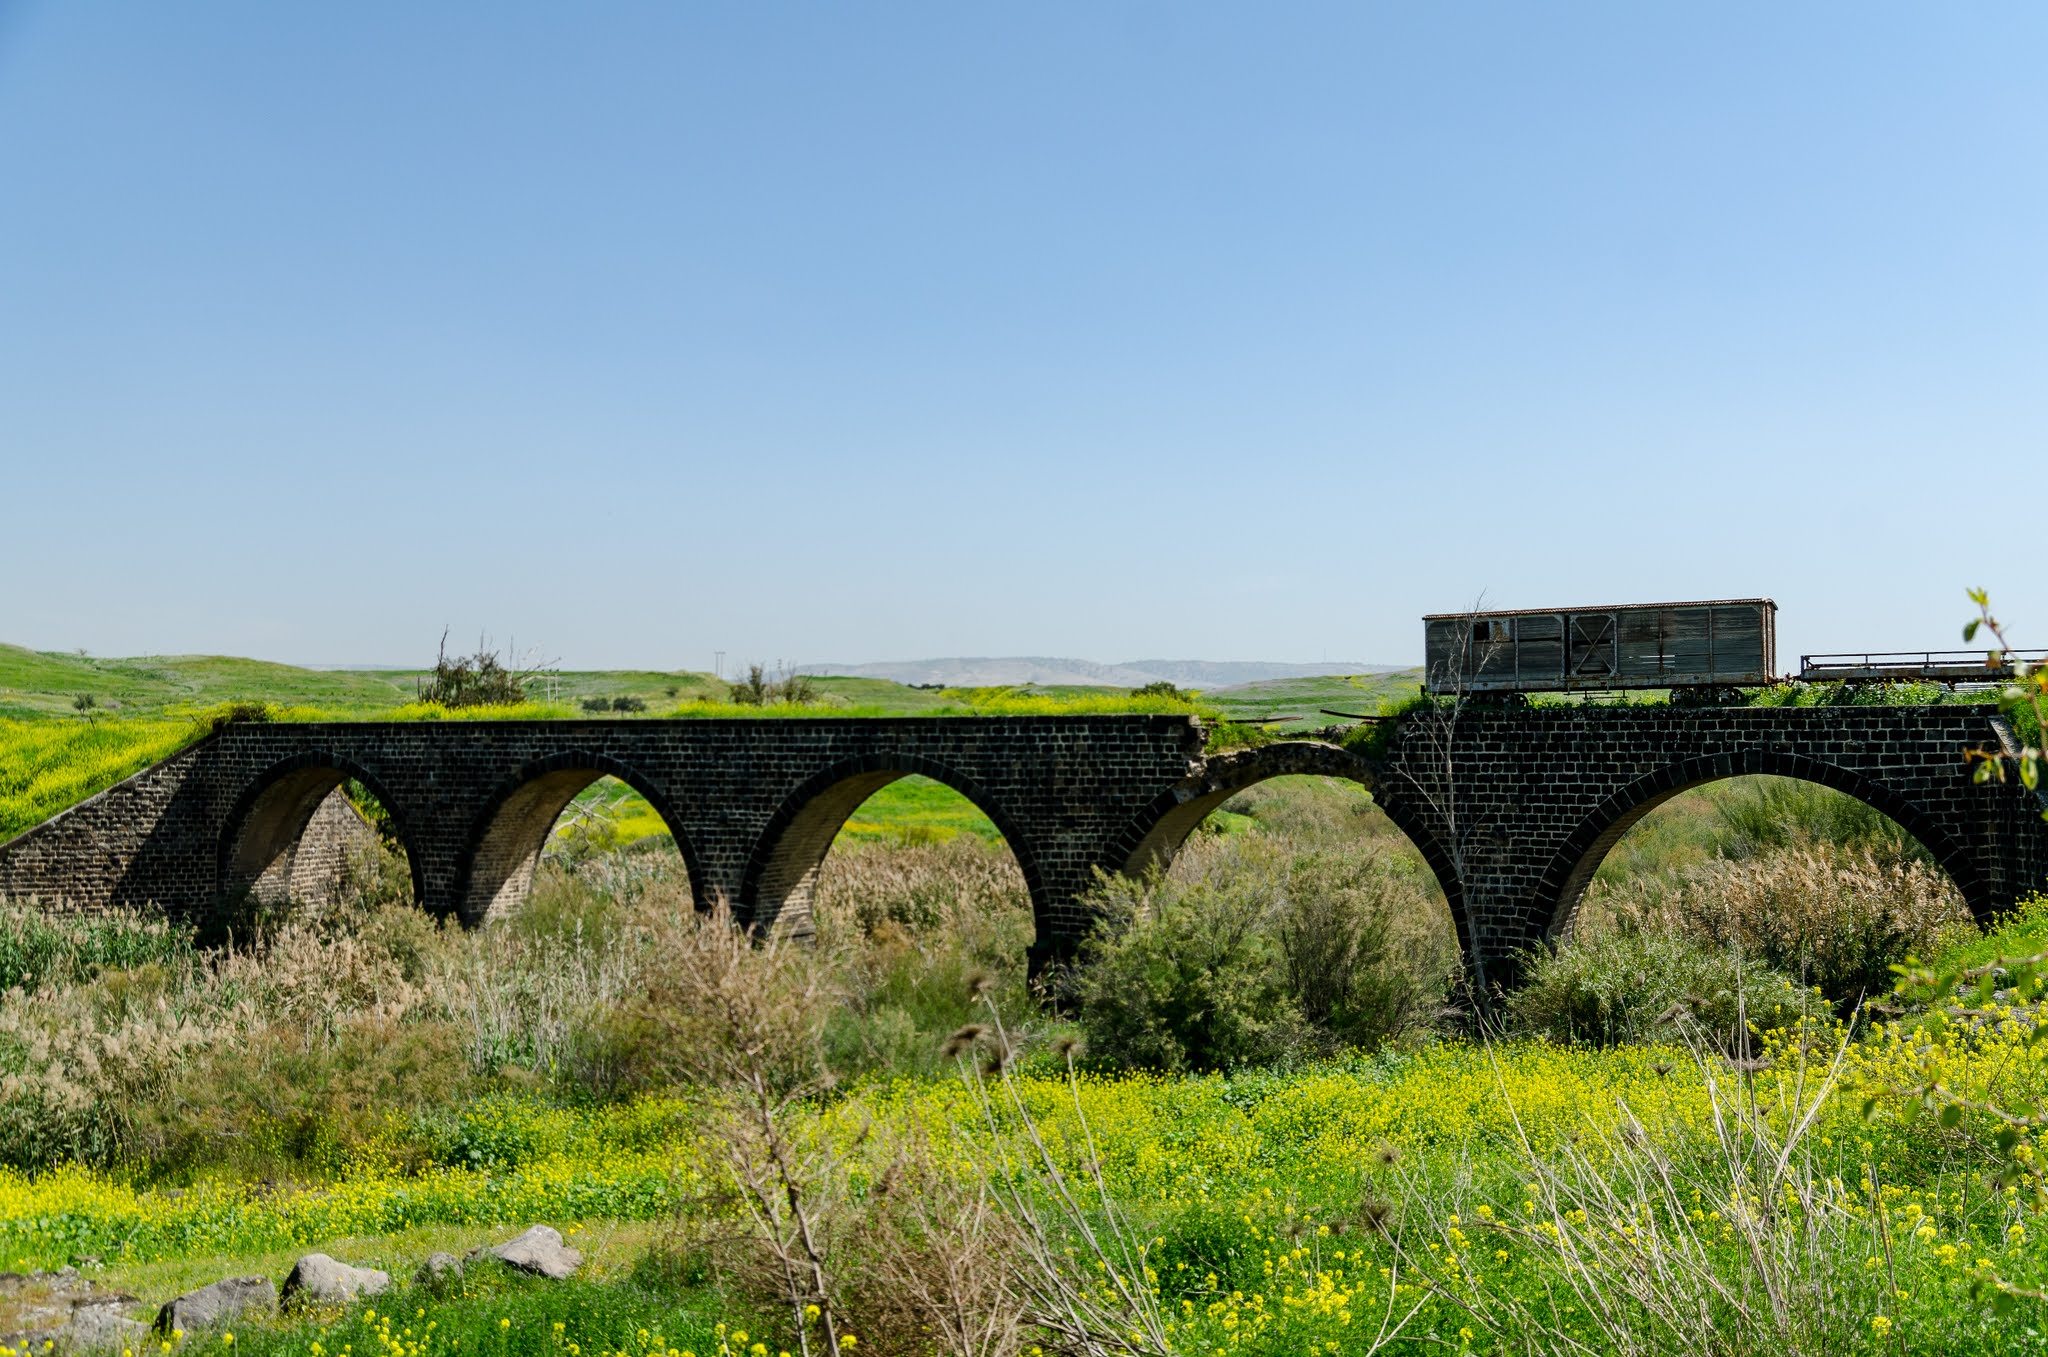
x=1012, y=670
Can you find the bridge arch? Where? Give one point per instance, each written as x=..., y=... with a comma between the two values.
x=505, y=842
x=782, y=876
x=261, y=849
x=1157, y=833
x=1563, y=883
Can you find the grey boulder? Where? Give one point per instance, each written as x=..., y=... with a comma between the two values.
x=440, y=1271
x=102, y=1327
x=216, y=1304
x=539, y=1251
x=320, y=1279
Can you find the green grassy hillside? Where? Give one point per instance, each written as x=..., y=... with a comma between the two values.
x=1305, y=699
x=45, y=683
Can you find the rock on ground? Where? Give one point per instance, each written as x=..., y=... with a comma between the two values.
x=101, y=1327
x=319, y=1278
x=216, y=1304
x=61, y=1310
x=439, y=1271
x=539, y=1251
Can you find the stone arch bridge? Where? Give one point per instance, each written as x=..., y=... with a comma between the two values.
x=1512, y=808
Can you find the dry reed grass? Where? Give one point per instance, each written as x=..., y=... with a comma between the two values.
x=1831, y=916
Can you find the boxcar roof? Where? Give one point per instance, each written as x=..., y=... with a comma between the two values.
x=1605, y=608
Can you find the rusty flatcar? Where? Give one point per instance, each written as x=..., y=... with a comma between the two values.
x=1712, y=644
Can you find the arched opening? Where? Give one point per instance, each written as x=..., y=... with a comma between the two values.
x=908, y=879
x=887, y=818
x=1298, y=887
x=1308, y=810
x=1310, y=789
x=1829, y=884
x=606, y=817
x=571, y=810
x=306, y=829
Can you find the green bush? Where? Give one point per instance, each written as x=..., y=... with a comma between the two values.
x=1375, y=739
x=1188, y=977
x=1361, y=960
x=1266, y=955
x=1628, y=985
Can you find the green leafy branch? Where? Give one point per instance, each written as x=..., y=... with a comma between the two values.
x=2029, y=686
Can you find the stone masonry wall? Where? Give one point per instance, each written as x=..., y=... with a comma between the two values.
x=1059, y=787
x=1512, y=807
x=1529, y=800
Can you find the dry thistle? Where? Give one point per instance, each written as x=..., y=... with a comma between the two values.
x=979, y=983
x=1387, y=1155
x=1374, y=1215
x=1069, y=1047
x=1661, y=1068
x=1000, y=1055
x=963, y=1041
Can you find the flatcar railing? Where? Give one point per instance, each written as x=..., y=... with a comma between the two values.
x=1938, y=666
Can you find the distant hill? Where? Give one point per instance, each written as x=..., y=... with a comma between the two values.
x=44, y=683
x=1010, y=671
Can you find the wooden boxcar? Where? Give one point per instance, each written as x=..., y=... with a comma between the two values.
x=1721, y=643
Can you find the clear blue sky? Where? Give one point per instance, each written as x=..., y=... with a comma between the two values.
x=1113, y=330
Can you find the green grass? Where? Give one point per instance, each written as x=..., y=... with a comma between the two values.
x=47, y=765
x=46, y=683
x=2020, y=934
x=39, y=683
x=917, y=809
x=1305, y=699
x=1250, y=1186
x=912, y=809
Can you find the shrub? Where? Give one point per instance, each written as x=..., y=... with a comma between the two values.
x=915, y=928
x=1376, y=738
x=1188, y=976
x=479, y=680
x=1263, y=953
x=1837, y=918
x=1363, y=959
x=758, y=690
x=1637, y=984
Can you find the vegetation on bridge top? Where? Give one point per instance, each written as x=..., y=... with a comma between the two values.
x=58, y=747
x=72, y=725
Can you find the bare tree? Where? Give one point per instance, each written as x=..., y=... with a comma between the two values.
x=1431, y=774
